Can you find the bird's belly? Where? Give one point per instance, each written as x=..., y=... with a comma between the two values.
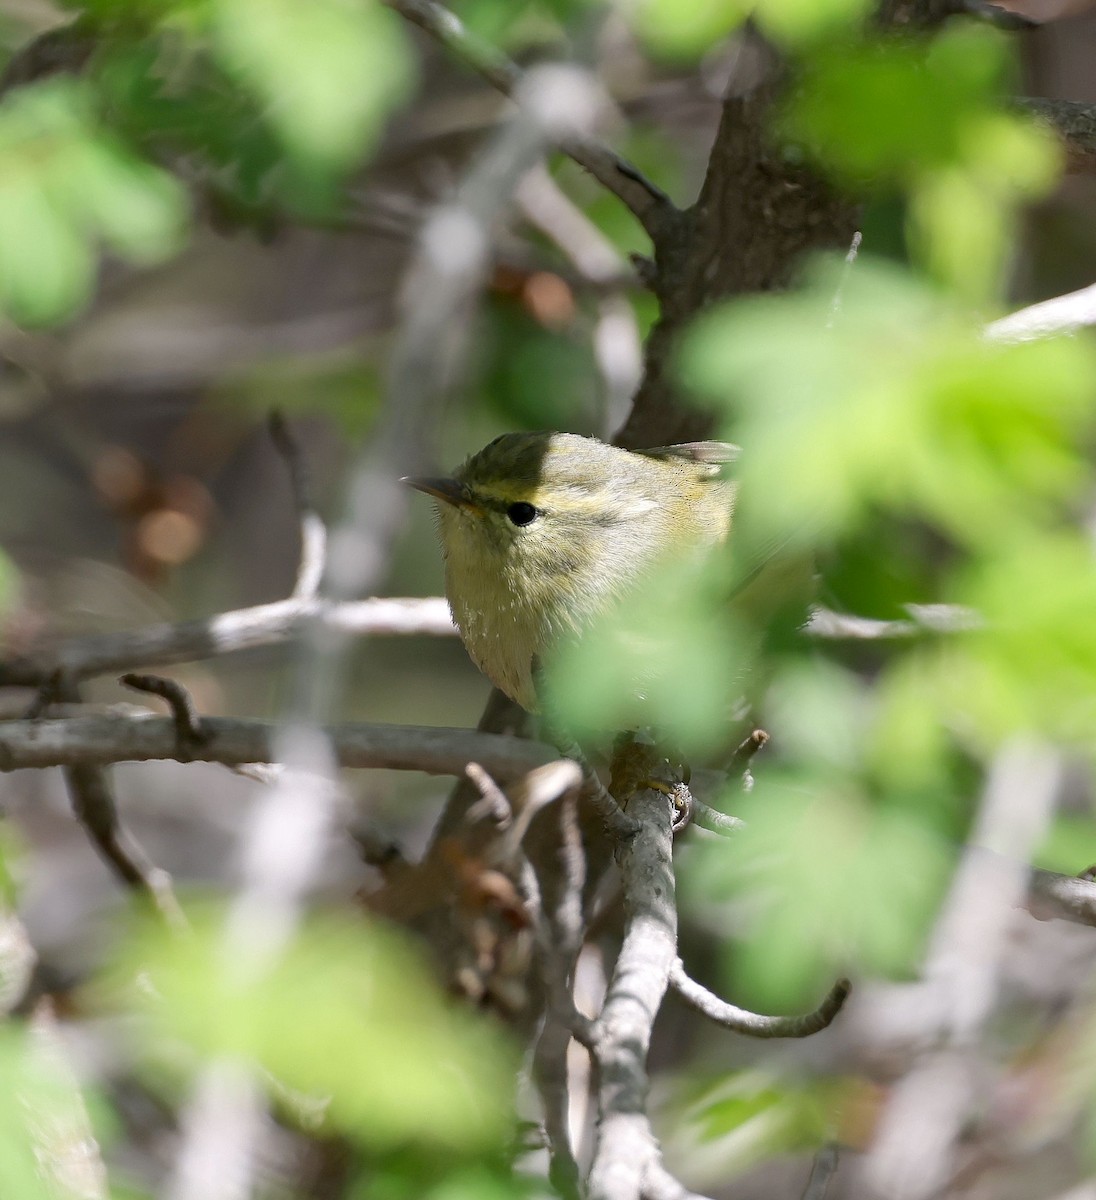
x=501, y=638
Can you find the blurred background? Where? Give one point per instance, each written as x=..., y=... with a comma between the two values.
x=191, y=258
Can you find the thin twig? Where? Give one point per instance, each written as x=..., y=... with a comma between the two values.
x=850, y=259
x=753, y=1024
x=1061, y=314
x=822, y=1173
x=184, y=712
x=715, y=821
x=924, y=619
x=84, y=742
x=94, y=806
x=493, y=804
x=313, y=556
x=754, y=741
x=650, y=205
x=226, y=633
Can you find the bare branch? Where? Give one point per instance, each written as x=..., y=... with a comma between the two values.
x=753, y=1024
x=650, y=205
x=227, y=633
x=188, y=724
x=923, y=619
x=82, y=742
x=822, y=1173
x=1062, y=314
x=94, y=807
x=659, y=1184
x=1074, y=121
x=313, y=531
x=754, y=741
x=1067, y=897
x=713, y=820
x=622, y=1032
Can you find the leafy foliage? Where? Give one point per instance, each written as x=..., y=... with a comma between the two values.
x=347, y=1016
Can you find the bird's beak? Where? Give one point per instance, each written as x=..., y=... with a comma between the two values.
x=452, y=491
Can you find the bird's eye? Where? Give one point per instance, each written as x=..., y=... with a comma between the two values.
x=521, y=513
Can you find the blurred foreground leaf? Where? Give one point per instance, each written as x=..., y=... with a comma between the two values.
x=66, y=186
x=329, y=71
x=824, y=883
x=894, y=402
x=348, y=1014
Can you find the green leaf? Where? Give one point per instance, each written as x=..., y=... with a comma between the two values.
x=834, y=883
x=328, y=71
x=138, y=210
x=797, y=23
x=688, y=28
x=672, y=654
x=1033, y=664
x=41, y=1118
x=348, y=1014
x=887, y=109
x=46, y=265
x=980, y=439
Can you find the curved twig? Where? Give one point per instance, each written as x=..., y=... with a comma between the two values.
x=753, y=1024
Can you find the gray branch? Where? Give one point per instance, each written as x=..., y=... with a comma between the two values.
x=1074, y=121
x=922, y=620
x=1061, y=314
x=753, y=1024
x=226, y=633
x=100, y=740
x=1065, y=897
x=622, y=1033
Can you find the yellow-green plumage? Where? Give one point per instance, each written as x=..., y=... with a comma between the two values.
x=603, y=519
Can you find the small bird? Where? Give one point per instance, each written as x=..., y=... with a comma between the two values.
x=544, y=533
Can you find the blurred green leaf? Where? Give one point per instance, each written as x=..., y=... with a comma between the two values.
x=328, y=71
x=138, y=210
x=64, y=186
x=348, y=1014
x=1069, y=845
x=798, y=23
x=688, y=28
x=536, y=378
x=1033, y=665
x=834, y=884
x=896, y=403
x=43, y=1122
x=926, y=116
x=756, y=1115
x=889, y=108
x=46, y=266
x=671, y=655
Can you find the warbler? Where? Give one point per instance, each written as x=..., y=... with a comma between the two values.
x=544, y=533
